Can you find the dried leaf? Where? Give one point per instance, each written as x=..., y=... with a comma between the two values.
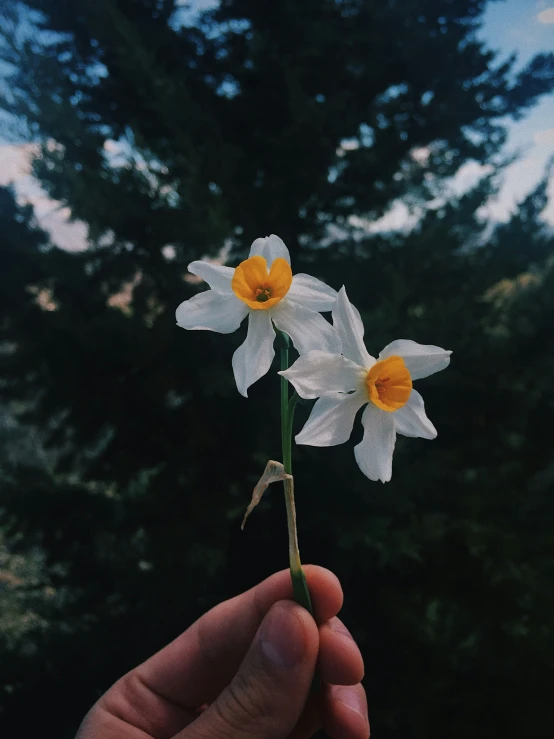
x=274, y=472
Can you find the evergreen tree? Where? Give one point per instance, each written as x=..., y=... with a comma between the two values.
x=288, y=117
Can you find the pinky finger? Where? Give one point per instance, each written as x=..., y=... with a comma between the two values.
x=345, y=712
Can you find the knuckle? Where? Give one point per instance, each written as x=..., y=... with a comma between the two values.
x=242, y=706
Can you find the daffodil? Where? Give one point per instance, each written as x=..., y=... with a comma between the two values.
x=346, y=382
x=264, y=289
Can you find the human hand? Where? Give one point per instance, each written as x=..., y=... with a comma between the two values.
x=244, y=669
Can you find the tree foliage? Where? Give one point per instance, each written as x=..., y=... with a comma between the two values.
x=172, y=137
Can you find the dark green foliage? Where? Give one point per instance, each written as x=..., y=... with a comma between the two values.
x=134, y=454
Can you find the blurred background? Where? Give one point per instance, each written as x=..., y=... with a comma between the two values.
x=401, y=148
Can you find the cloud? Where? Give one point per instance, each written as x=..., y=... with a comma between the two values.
x=398, y=218
x=52, y=216
x=468, y=176
x=544, y=138
x=546, y=16
x=421, y=154
x=15, y=162
x=347, y=145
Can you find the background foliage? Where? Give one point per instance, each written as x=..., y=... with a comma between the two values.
x=127, y=456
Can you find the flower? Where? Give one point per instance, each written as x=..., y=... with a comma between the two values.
x=346, y=382
x=264, y=289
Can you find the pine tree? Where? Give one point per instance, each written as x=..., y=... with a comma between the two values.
x=288, y=117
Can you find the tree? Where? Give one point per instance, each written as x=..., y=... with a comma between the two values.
x=287, y=117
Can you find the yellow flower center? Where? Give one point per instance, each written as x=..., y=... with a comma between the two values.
x=389, y=384
x=259, y=288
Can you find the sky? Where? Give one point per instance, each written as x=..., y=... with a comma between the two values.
x=525, y=27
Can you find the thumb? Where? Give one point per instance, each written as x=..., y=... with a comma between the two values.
x=266, y=696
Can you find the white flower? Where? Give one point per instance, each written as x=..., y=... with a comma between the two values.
x=264, y=289
x=344, y=383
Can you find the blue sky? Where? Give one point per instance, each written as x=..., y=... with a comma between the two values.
x=525, y=27
x=521, y=26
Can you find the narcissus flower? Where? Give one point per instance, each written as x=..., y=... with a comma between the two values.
x=346, y=382
x=264, y=289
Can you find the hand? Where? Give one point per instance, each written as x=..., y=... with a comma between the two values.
x=244, y=669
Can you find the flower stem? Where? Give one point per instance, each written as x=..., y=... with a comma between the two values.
x=286, y=443
x=299, y=585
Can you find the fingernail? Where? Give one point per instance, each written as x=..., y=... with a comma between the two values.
x=282, y=637
x=351, y=699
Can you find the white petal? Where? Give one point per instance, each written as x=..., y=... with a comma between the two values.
x=253, y=358
x=421, y=360
x=317, y=374
x=270, y=247
x=312, y=293
x=374, y=453
x=212, y=311
x=350, y=328
x=331, y=420
x=411, y=420
x=217, y=276
x=307, y=328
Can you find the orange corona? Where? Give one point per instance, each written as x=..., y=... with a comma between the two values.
x=389, y=384
x=259, y=287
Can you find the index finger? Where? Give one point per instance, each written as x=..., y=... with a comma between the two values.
x=197, y=666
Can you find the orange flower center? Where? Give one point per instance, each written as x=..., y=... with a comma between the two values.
x=259, y=288
x=389, y=384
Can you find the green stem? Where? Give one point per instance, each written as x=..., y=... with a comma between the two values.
x=299, y=585
x=285, y=439
x=291, y=408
